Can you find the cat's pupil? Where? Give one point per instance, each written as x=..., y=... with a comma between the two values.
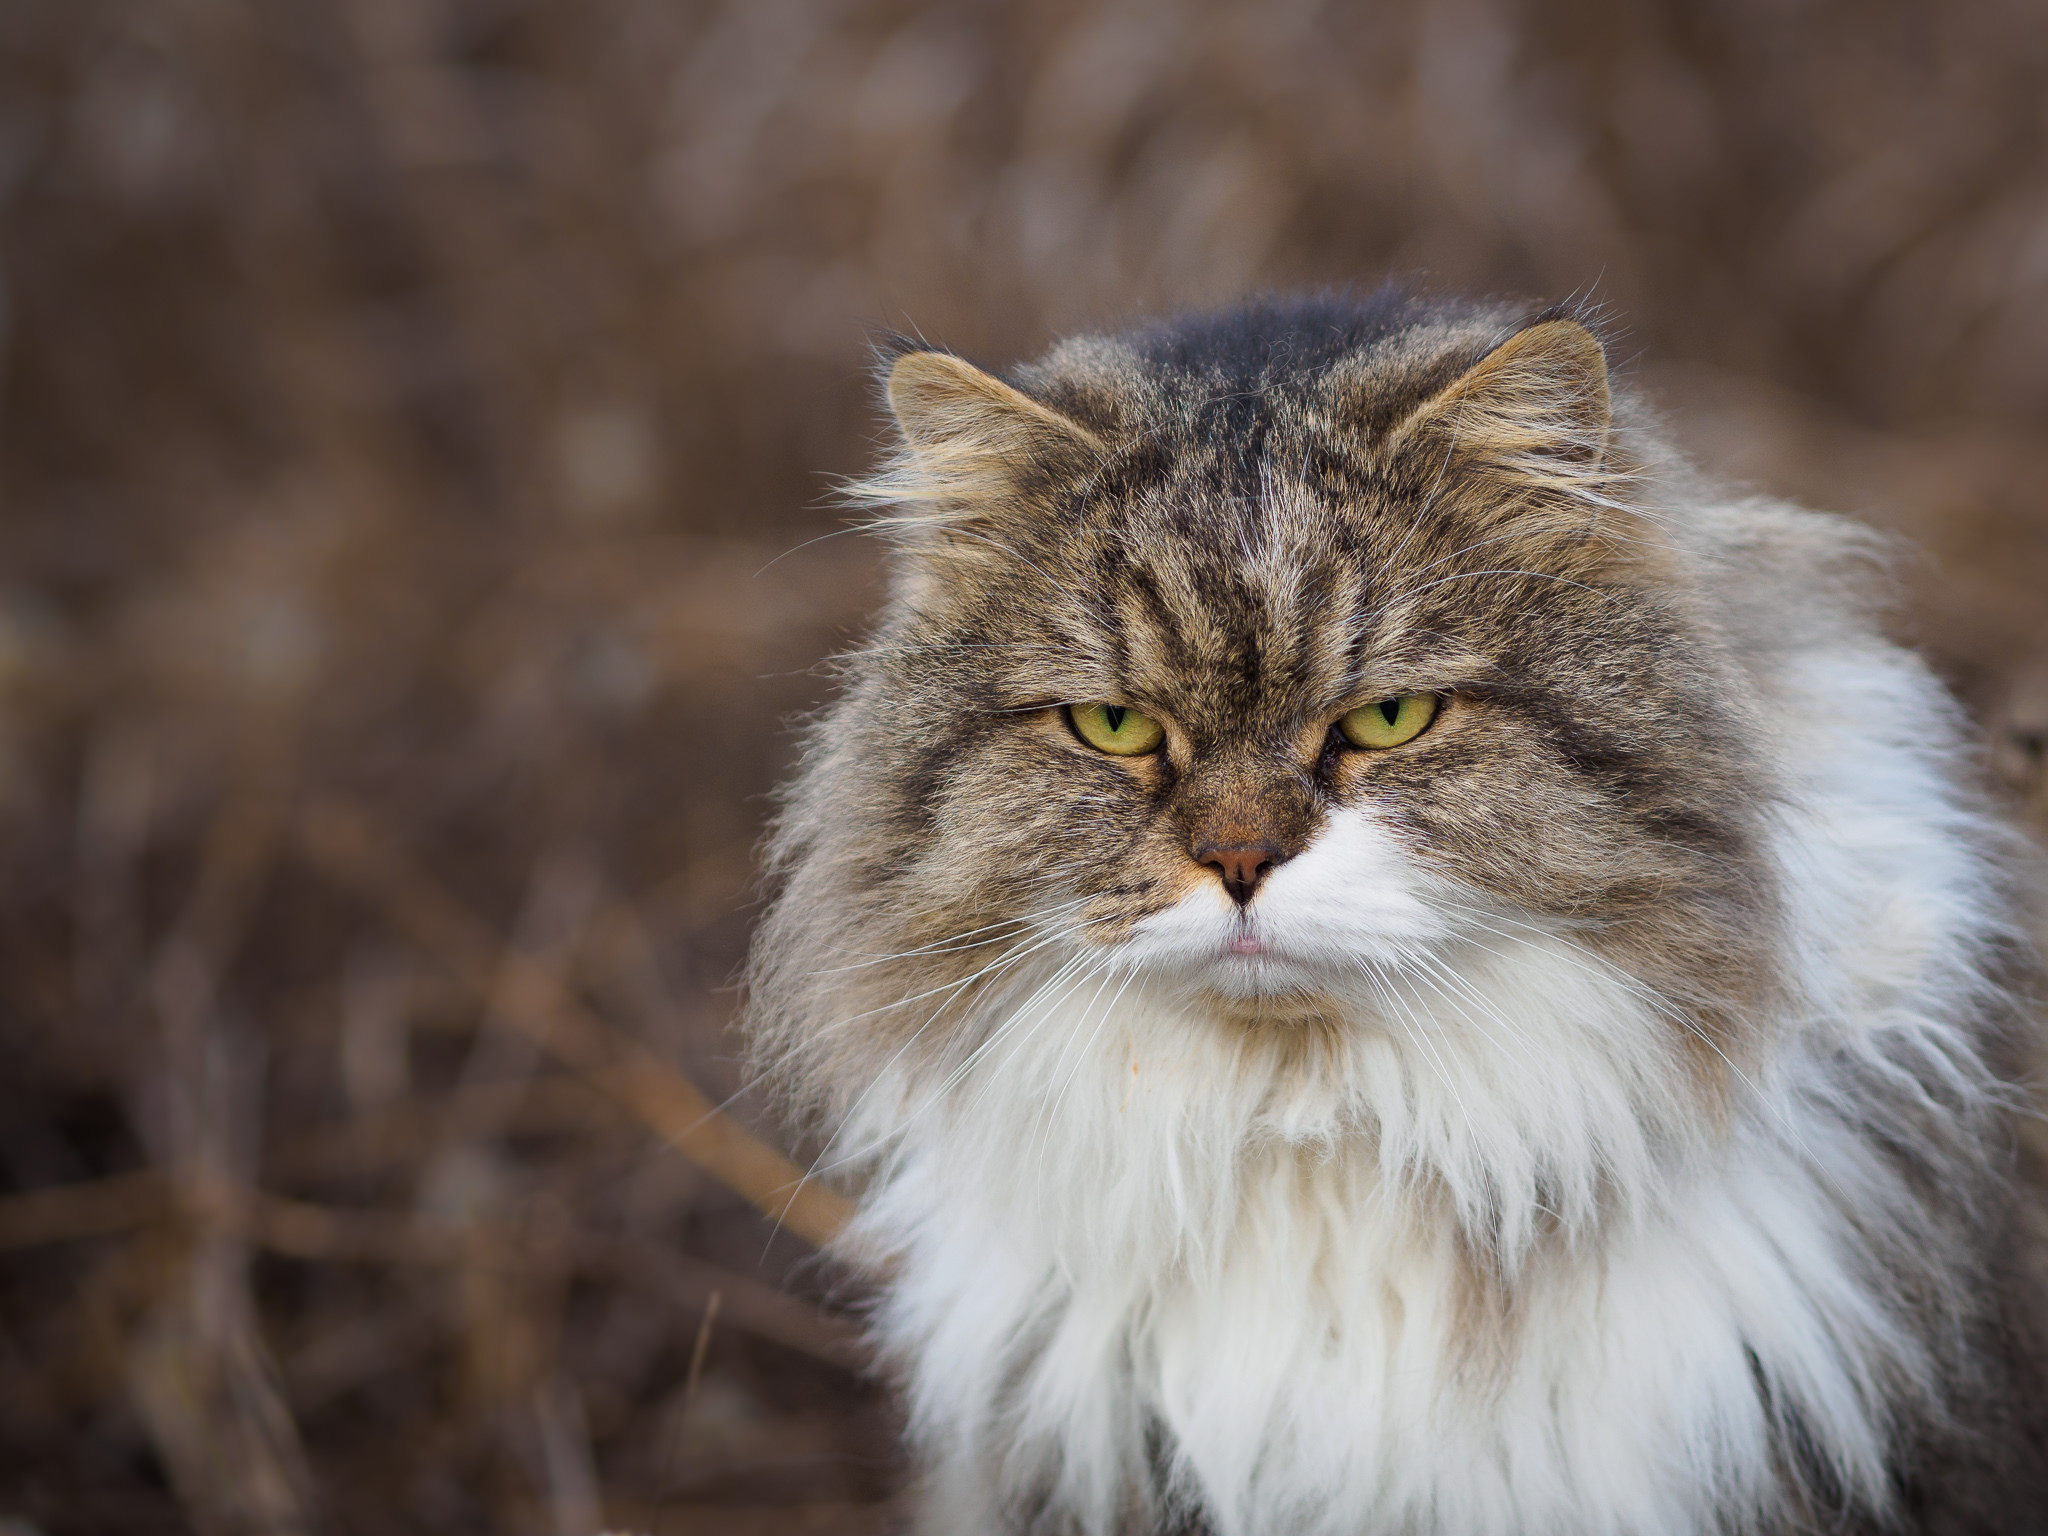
x=1391, y=708
x=1113, y=717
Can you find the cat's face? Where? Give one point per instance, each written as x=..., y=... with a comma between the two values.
x=1267, y=685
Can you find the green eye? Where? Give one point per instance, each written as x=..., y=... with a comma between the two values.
x=1390, y=722
x=1115, y=729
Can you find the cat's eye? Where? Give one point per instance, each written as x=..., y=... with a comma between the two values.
x=1389, y=722
x=1115, y=729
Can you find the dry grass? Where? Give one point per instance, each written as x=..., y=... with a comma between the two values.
x=403, y=407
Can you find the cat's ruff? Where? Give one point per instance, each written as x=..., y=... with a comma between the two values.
x=1600, y=1120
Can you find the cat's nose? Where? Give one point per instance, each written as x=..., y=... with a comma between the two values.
x=1243, y=868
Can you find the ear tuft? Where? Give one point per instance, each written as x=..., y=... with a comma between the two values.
x=1536, y=407
x=971, y=443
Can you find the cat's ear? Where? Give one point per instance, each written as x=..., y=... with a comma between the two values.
x=1535, y=408
x=973, y=445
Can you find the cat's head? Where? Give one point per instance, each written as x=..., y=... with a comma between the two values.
x=1272, y=662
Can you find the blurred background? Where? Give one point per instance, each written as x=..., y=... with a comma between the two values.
x=417, y=420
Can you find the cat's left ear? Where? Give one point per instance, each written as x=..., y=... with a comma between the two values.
x=972, y=444
x=1536, y=408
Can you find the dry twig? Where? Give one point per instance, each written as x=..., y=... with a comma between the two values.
x=340, y=842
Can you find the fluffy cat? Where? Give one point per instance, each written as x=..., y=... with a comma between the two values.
x=1384, y=957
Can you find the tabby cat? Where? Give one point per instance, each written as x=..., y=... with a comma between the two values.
x=1384, y=956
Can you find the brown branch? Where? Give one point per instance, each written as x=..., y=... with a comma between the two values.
x=326, y=1234
x=399, y=1135
x=340, y=843
x=322, y=1233
x=748, y=1305
x=89, y=1208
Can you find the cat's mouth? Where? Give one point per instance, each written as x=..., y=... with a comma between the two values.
x=1241, y=956
x=1248, y=963
x=1250, y=979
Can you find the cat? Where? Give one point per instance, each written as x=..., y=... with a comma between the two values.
x=1382, y=955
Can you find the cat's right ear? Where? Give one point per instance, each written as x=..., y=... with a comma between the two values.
x=973, y=447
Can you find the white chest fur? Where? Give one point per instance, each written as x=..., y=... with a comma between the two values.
x=1090, y=1253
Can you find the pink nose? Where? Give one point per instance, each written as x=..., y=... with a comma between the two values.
x=1243, y=868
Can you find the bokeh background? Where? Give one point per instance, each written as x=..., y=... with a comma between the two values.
x=417, y=424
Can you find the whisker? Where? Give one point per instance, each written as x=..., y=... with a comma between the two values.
x=1051, y=1116
x=818, y=1164
x=1437, y=977
x=1416, y=1032
x=952, y=943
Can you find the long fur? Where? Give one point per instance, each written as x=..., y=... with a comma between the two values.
x=1619, y=1131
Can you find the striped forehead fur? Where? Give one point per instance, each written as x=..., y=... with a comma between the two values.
x=1655, y=1007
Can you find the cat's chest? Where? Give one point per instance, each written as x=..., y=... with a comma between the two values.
x=1326, y=1288
x=1324, y=1346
